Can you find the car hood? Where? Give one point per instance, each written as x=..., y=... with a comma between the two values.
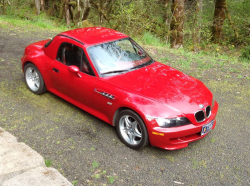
x=165, y=85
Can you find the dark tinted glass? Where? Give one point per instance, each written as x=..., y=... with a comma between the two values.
x=70, y=54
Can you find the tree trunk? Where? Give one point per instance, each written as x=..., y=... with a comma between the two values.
x=53, y=8
x=37, y=3
x=86, y=10
x=67, y=16
x=42, y=5
x=62, y=9
x=101, y=11
x=197, y=24
x=3, y=7
x=219, y=17
x=176, y=25
x=71, y=13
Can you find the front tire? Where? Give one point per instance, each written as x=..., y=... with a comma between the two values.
x=33, y=79
x=131, y=129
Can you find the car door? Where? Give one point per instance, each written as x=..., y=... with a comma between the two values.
x=77, y=89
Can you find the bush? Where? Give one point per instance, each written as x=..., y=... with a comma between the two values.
x=246, y=52
x=150, y=39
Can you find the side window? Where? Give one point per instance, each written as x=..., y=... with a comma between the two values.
x=70, y=54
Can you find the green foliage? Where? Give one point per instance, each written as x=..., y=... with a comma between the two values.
x=97, y=176
x=95, y=164
x=41, y=21
x=246, y=52
x=48, y=162
x=22, y=9
x=147, y=20
x=136, y=17
x=239, y=10
x=150, y=39
x=75, y=182
x=111, y=179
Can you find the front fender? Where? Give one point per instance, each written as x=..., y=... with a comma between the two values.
x=147, y=108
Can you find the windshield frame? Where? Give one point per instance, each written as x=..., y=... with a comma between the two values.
x=105, y=74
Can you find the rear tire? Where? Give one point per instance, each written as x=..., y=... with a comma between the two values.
x=131, y=129
x=33, y=79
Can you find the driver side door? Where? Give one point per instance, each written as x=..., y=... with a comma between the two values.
x=75, y=89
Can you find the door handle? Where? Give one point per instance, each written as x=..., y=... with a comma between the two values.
x=55, y=70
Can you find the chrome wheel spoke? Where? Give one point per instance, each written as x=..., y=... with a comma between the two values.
x=137, y=133
x=130, y=130
x=32, y=78
x=132, y=138
x=127, y=122
x=125, y=130
x=133, y=124
x=35, y=84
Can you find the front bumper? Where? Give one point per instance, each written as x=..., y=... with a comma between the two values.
x=177, y=137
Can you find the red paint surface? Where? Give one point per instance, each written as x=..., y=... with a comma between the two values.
x=153, y=91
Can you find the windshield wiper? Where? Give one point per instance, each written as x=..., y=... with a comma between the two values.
x=139, y=66
x=143, y=65
x=115, y=71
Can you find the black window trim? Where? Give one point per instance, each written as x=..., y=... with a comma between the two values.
x=71, y=38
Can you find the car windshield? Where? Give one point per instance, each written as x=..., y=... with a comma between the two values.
x=118, y=56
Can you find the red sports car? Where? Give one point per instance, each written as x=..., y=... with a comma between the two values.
x=107, y=74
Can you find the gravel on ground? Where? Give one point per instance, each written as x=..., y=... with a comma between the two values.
x=87, y=150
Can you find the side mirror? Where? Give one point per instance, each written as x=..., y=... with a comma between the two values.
x=74, y=69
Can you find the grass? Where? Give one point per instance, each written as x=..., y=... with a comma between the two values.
x=111, y=179
x=149, y=39
x=48, y=162
x=75, y=182
x=194, y=63
x=38, y=22
x=212, y=140
x=99, y=173
x=95, y=164
x=170, y=158
x=212, y=54
x=62, y=114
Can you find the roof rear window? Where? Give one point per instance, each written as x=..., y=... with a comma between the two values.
x=48, y=43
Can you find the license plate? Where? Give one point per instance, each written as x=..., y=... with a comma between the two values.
x=206, y=128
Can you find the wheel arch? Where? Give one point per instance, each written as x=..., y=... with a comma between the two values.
x=118, y=111
x=126, y=108
x=30, y=62
x=33, y=62
x=26, y=63
x=116, y=114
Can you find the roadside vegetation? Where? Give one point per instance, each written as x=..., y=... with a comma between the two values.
x=214, y=56
x=218, y=28
x=86, y=150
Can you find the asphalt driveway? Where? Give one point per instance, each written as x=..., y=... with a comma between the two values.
x=87, y=151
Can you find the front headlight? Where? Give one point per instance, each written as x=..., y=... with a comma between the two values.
x=174, y=122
